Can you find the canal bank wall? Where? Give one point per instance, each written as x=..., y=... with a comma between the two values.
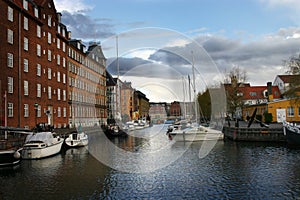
x=256, y=134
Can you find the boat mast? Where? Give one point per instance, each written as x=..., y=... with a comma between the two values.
x=194, y=86
x=184, y=106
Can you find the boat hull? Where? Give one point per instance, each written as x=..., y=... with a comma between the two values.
x=32, y=152
x=292, y=137
x=9, y=157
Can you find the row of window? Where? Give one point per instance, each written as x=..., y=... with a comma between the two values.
x=61, y=112
x=10, y=17
x=80, y=71
x=10, y=82
x=291, y=111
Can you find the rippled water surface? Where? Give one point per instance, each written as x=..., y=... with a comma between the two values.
x=230, y=171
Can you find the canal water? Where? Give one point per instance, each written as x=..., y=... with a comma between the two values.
x=230, y=171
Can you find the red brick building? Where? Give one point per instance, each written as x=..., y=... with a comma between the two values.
x=33, y=82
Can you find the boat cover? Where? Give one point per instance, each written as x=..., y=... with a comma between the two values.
x=46, y=137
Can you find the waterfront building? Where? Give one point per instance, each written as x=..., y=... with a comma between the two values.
x=111, y=95
x=87, y=84
x=33, y=53
x=285, y=110
x=175, y=109
x=142, y=104
x=158, y=112
x=286, y=82
x=127, y=101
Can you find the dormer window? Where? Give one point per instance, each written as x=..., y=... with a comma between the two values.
x=25, y=4
x=36, y=12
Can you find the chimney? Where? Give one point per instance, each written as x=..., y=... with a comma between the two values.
x=269, y=88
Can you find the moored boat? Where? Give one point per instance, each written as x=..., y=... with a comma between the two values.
x=41, y=145
x=76, y=139
x=292, y=133
x=11, y=142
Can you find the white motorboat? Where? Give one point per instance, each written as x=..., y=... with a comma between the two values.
x=198, y=133
x=41, y=145
x=77, y=140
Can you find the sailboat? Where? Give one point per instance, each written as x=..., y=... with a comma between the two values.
x=194, y=131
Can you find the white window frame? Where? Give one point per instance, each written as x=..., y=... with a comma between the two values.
x=26, y=110
x=10, y=85
x=25, y=4
x=58, y=112
x=64, y=112
x=10, y=109
x=38, y=90
x=38, y=69
x=49, y=73
x=49, y=38
x=10, y=14
x=39, y=109
x=38, y=50
x=58, y=43
x=26, y=88
x=10, y=36
x=26, y=65
x=64, y=78
x=58, y=94
x=64, y=95
x=58, y=77
x=49, y=20
x=26, y=43
x=10, y=60
x=38, y=31
x=49, y=55
x=49, y=92
x=36, y=12
x=25, y=23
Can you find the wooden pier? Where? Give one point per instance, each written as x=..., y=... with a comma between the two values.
x=256, y=134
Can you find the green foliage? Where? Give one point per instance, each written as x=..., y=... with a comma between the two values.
x=205, y=104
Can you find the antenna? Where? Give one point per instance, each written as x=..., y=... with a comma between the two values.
x=117, y=48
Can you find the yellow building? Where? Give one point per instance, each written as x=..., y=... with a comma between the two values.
x=286, y=109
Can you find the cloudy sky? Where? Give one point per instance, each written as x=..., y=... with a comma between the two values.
x=215, y=35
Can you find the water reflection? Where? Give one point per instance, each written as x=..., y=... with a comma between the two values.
x=231, y=171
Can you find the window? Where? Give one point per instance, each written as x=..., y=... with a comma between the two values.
x=36, y=12
x=64, y=47
x=10, y=85
x=64, y=95
x=49, y=92
x=58, y=94
x=38, y=50
x=26, y=23
x=26, y=110
x=49, y=55
x=252, y=94
x=25, y=65
x=49, y=74
x=58, y=59
x=10, y=60
x=58, y=29
x=64, y=78
x=10, y=108
x=291, y=112
x=26, y=88
x=64, y=62
x=25, y=4
x=64, y=112
x=58, y=43
x=38, y=90
x=58, y=112
x=49, y=38
x=49, y=20
x=10, y=36
x=58, y=76
x=10, y=14
x=38, y=31
x=25, y=44
x=38, y=70
x=39, y=113
x=298, y=111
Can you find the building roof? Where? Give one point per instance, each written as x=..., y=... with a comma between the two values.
x=289, y=78
x=257, y=92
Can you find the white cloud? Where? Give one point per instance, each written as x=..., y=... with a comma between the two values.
x=72, y=6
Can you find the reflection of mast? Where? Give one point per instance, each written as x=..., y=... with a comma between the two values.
x=194, y=86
